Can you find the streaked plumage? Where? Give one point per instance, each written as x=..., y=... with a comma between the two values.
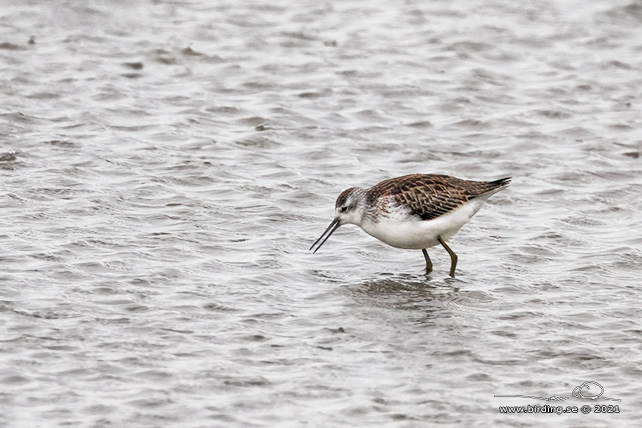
x=415, y=211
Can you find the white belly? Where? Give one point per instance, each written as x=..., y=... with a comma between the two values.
x=402, y=233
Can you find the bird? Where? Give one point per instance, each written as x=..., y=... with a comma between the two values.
x=416, y=211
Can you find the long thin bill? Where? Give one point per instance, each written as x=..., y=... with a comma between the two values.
x=329, y=231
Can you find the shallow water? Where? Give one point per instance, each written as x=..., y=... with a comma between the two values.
x=166, y=165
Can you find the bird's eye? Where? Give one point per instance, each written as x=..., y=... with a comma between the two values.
x=343, y=209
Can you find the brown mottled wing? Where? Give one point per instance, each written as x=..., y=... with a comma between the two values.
x=430, y=195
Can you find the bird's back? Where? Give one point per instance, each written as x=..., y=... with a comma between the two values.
x=429, y=196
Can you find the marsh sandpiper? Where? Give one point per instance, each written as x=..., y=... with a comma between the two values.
x=415, y=211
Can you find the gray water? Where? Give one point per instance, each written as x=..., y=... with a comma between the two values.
x=165, y=166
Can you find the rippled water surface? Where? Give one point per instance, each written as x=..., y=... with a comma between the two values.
x=165, y=167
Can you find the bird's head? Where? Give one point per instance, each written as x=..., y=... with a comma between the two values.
x=348, y=209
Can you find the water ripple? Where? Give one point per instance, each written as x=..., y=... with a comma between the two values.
x=166, y=166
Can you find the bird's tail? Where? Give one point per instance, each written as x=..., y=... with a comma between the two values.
x=489, y=188
x=501, y=183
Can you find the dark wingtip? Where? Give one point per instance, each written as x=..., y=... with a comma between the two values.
x=502, y=182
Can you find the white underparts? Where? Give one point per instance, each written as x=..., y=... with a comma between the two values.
x=401, y=232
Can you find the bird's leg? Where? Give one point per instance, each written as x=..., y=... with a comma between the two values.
x=453, y=256
x=428, y=262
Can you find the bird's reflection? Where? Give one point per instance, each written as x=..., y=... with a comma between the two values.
x=432, y=298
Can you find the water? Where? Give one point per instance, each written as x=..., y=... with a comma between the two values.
x=166, y=165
